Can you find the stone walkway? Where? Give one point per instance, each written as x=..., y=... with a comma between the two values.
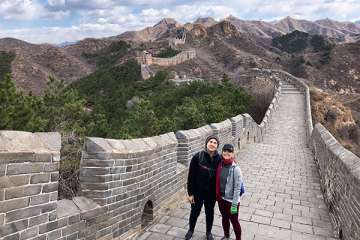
x=283, y=198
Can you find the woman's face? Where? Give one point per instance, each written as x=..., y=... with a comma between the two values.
x=212, y=145
x=227, y=155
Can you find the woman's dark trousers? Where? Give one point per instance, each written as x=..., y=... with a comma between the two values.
x=209, y=203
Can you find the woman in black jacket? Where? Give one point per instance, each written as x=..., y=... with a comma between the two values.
x=201, y=185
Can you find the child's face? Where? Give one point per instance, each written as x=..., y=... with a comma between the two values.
x=228, y=155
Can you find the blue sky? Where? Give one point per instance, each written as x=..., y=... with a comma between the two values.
x=56, y=21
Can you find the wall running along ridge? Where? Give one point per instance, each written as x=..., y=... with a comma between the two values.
x=339, y=170
x=148, y=59
x=119, y=178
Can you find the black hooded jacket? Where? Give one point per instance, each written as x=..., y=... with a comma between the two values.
x=202, y=174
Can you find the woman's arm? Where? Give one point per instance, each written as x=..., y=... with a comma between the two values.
x=193, y=169
x=237, y=183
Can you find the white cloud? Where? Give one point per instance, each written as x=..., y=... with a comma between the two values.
x=99, y=18
x=57, y=35
x=56, y=2
x=27, y=10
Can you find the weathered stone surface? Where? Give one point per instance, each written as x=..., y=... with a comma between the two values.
x=66, y=207
x=18, y=141
x=84, y=204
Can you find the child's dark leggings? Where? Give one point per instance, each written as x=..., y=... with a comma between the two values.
x=209, y=203
x=227, y=217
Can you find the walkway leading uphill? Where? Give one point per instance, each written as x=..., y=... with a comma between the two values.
x=283, y=199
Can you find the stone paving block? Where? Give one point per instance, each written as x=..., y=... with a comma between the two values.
x=177, y=222
x=200, y=227
x=302, y=220
x=280, y=223
x=302, y=228
x=163, y=219
x=282, y=216
x=159, y=236
x=245, y=216
x=274, y=209
x=177, y=232
x=144, y=236
x=260, y=219
x=160, y=228
x=264, y=213
x=326, y=232
x=293, y=212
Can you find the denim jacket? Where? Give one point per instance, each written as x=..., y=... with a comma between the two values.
x=233, y=182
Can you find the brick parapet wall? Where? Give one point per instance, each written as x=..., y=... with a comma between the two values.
x=29, y=164
x=185, y=55
x=118, y=177
x=190, y=142
x=340, y=180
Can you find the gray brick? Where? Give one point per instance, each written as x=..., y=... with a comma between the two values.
x=15, y=236
x=22, y=191
x=39, y=199
x=48, y=227
x=54, y=234
x=51, y=167
x=43, y=157
x=73, y=228
x=48, y=207
x=74, y=219
x=22, y=213
x=73, y=236
x=42, y=237
x=55, y=177
x=34, y=221
x=13, y=204
x=53, y=196
x=2, y=219
x=51, y=187
x=24, y=168
x=29, y=233
x=16, y=157
x=40, y=178
x=2, y=169
x=2, y=194
x=14, y=181
x=52, y=216
x=14, y=227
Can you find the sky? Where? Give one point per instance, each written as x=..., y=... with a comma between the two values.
x=58, y=21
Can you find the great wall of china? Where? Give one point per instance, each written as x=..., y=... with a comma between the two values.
x=145, y=59
x=124, y=182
